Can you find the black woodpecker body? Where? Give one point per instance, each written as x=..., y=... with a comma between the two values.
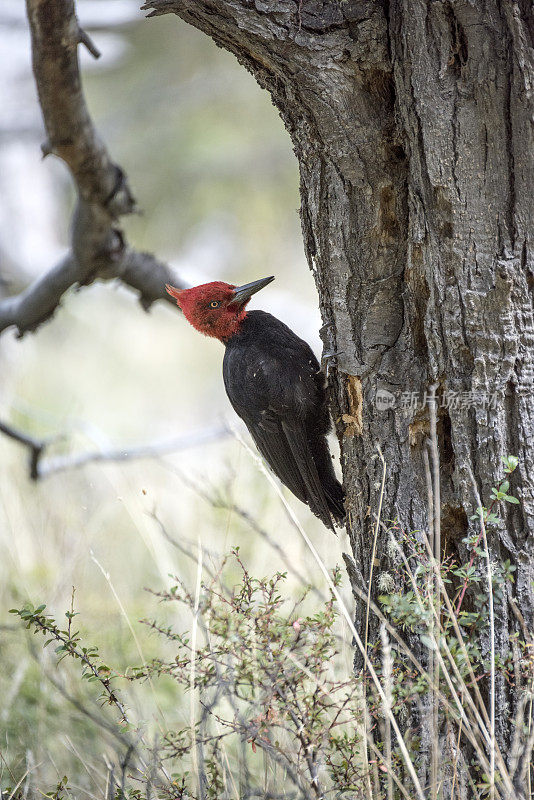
x=275, y=384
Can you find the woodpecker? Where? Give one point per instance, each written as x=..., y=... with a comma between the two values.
x=275, y=384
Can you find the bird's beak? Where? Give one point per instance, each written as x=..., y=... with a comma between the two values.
x=243, y=293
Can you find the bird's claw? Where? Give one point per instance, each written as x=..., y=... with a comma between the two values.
x=328, y=360
x=332, y=354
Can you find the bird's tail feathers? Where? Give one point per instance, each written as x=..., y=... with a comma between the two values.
x=324, y=501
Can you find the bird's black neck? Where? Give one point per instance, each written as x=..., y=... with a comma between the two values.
x=254, y=324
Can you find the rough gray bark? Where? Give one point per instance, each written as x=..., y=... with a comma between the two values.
x=98, y=248
x=412, y=124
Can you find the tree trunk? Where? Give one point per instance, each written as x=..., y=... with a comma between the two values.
x=412, y=124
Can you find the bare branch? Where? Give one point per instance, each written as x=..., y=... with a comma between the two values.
x=98, y=246
x=35, y=446
x=141, y=271
x=86, y=40
x=55, y=35
x=44, y=468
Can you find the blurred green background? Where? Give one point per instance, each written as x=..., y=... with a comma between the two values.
x=212, y=168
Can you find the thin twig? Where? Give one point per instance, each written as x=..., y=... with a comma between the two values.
x=86, y=40
x=367, y=605
x=107, y=578
x=197, y=762
x=435, y=508
x=35, y=446
x=43, y=468
x=492, y=640
x=100, y=721
x=387, y=671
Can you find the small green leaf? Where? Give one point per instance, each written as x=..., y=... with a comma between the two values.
x=510, y=462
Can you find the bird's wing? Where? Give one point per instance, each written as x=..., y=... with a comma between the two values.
x=274, y=413
x=297, y=440
x=270, y=439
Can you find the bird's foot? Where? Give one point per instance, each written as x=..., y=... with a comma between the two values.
x=330, y=354
x=329, y=360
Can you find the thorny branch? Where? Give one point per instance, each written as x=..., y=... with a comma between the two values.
x=98, y=247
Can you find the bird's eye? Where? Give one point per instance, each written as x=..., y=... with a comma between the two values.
x=214, y=304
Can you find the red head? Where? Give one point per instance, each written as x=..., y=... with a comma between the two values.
x=216, y=309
